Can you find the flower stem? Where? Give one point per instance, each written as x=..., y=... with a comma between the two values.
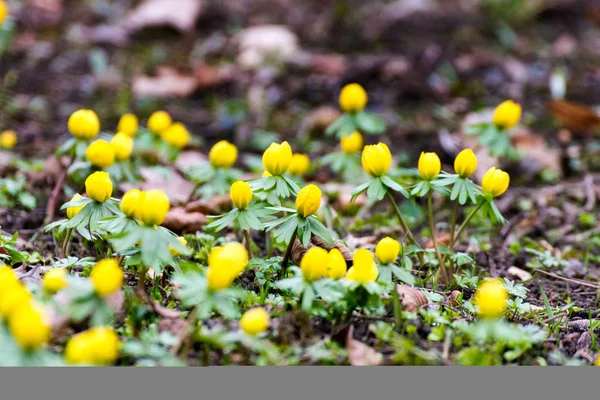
x=466, y=222
x=248, y=243
x=433, y=238
x=286, y=255
x=453, y=225
x=65, y=244
x=404, y=225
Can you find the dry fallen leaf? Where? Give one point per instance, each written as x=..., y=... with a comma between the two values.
x=177, y=188
x=573, y=116
x=180, y=14
x=180, y=220
x=516, y=272
x=359, y=354
x=167, y=83
x=412, y=298
x=266, y=44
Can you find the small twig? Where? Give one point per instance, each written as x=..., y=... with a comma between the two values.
x=571, y=280
x=286, y=256
x=51, y=207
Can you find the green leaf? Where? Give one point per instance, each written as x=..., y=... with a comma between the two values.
x=356, y=192
x=320, y=230
x=284, y=233
x=370, y=123
x=394, y=185
x=377, y=189
x=337, y=124
x=403, y=275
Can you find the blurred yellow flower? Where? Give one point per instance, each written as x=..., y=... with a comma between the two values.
x=73, y=211
x=336, y=266
x=277, y=158
x=465, y=163
x=314, y=264
x=4, y=11
x=130, y=202
x=176, y=135
x=128, y=124
x=223, y=154
x=84, y=124
x=29, y=326
x=387, y=250
x=429, y=165
x=11, y=297
x=122, y=145
x=96, y=346
x=106, y=276
x=495, y=182
x=100, y=154
x=353, y=98
x=159, y=121
x=55, y=280
x=299, y=165
x=490, y=298
x=232, y=255
x=241, y=194
x=8, y=139
x=364, y=269
x=98, y=186
x=376, y=159
x=153, y=207
x=507, y=114
x=255, y=321
x=7, y=279
x=352, y=143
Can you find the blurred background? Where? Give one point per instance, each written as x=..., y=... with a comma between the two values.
x=236, y=69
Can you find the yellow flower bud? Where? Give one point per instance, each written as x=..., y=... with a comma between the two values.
x=223, y=154
x=130, y=202
x=241, y=194
x=495, y=182
x=314, y=264
x=353, y=98
x=255, y=321
x=507, y=114
x=232, y=256
x=11, y=297
x=429, y=165
x=299, y=165
x=55, y=280
x=8, y=139
x=98, y=186
x=122, y=145
x=3, y=11
x=387, y=250
x=96, y=346
x=176, y=135
x=352, y=143
x=84, y=124
x=128, y=124
x=29, y=326
x=159, y=121
x=376, y=159
x=73, y=211
x=8, y=279
x=107, y=277
x=174, y=251
x=277, y=158
x=308, y=200
x=100, y=154
x=465, y=163
x=153, y=207
x=490, y=298
x=336, y=267
x=364, y=268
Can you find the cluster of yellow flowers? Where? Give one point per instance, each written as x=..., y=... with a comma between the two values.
x=255, y=321
x=26, y=320
x=96, y=346
x=106, y=277
x=176, y=134
x=225, y=263
x=8, y=140
x=150, y=207
x=318, y=263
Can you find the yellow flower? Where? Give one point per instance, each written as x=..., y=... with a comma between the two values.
x=352, y=143
x=159, y=121
x=241, y=194
x=107, y=277
x=128, y=124
x=232, y=255
x=223, y=154
x=73, y=211
x=376, y=159
x=8, y=139
x=277, y=158
x=220, y=277
x=465, y=163
x=299, y=165
x=98, y=186
x=507, y=114
x=176, y=135
x=84, y=124
x=29, y=326
x=55, y=280
x=314, y=264
x=100, y=154
x=308, y=200
x=11, y=297
x=130, y=202
x=174, y=251
x=364, y=268
x=122, y=145
x=3, y=11
x=353, y=98
x=429, y=165
x=336, y=267
x=153, y=207
x=490, y=298
x=387, y=250
x=96, y=346
x=255, y=321
x=7, y=279
x=495, y=182
x=598, y=361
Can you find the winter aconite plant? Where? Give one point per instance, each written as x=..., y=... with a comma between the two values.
x=496, y=135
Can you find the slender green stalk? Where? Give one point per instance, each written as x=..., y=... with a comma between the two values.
x=434, y=239
x=466, y=222
x=403, y=223
x=65, y=244
x=453, y=225
x=396, y=306
x=286, y=255
x=248, y=243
